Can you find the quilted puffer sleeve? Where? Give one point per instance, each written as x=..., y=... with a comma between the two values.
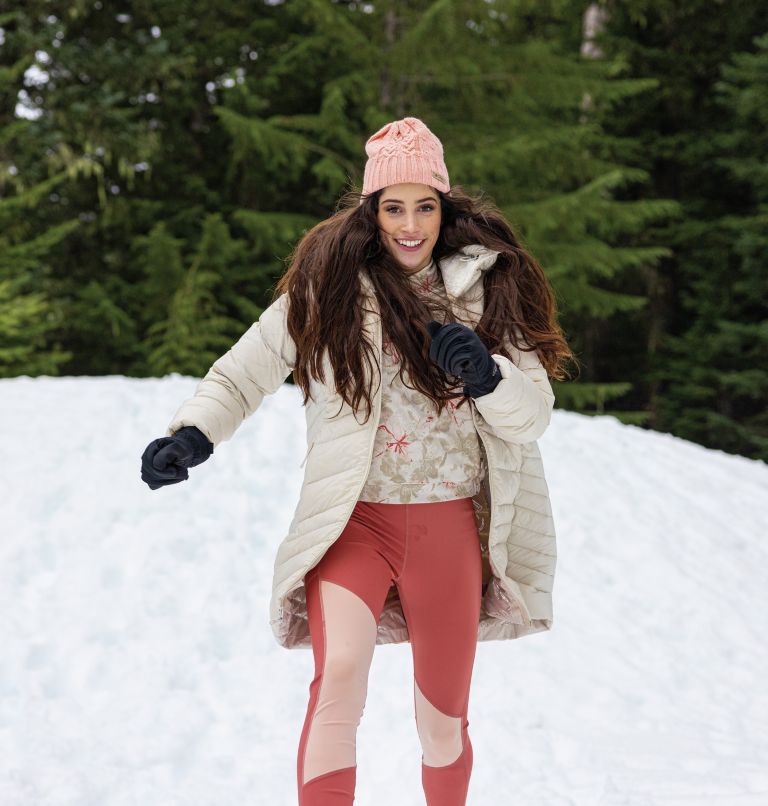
x=519, y=409
x=233, y=388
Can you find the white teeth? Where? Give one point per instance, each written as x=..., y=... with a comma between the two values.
x=409, y=243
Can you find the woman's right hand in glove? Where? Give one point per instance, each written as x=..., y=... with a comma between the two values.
x=166, y=459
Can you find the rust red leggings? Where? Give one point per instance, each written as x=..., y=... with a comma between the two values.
x=431, y=552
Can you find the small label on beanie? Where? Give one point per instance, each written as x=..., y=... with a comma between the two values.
x=438, y=176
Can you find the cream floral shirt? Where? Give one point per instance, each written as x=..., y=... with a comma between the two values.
x=419, y=457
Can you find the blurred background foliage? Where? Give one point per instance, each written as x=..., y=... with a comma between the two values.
x=159, y=160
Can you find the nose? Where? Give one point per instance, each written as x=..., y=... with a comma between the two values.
x=410, y=224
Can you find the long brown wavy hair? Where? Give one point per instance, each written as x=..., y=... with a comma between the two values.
x=327, y=304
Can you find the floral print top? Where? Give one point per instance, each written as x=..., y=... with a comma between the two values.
x=419, y=457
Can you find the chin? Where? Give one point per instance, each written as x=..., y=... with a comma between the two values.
x=411, y=261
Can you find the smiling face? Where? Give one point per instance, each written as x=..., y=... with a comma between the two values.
x=409, y=222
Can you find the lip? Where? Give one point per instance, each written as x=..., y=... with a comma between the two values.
x=410, y=248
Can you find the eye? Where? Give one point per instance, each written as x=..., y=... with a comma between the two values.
x=391, y=209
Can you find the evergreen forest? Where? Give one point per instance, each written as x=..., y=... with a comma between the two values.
x=159, y=160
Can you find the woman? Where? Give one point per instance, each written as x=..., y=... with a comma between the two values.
x=428, y=519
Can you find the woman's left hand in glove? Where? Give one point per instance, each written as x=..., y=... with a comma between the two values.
x=457, y=350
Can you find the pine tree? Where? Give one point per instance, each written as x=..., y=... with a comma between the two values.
x=178, y=343
x=731, y=340
x=703, y=335
x=30, y=315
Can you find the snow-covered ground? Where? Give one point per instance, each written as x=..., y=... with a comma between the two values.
x=137, y=665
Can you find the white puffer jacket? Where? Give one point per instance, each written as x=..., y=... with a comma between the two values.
x=515, y=524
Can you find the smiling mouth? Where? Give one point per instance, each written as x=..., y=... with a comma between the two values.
x=410, y=245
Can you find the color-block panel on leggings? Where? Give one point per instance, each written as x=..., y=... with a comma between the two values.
x=439, y=733
x=350, y=637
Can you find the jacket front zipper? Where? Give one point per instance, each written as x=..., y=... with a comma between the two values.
x=309, y=450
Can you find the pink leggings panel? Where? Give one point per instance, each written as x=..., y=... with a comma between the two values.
x=431, y=552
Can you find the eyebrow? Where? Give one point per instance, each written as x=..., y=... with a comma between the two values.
x=418, y=201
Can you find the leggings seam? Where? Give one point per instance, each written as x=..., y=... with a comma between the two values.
x=330, y=772
x=405, y=553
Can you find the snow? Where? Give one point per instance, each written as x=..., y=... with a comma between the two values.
x=138, y=665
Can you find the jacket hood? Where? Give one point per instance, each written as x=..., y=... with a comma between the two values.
x=464, y=268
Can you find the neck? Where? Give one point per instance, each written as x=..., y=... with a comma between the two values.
x=410, y=272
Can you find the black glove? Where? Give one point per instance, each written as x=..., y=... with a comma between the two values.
x=457, y=350
x=165, y=460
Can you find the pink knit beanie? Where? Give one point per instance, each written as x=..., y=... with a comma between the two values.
x=404, y=151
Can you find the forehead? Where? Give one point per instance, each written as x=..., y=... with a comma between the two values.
x=408, y=191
